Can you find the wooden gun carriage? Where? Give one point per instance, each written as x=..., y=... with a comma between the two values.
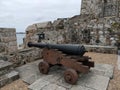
x=67, y=55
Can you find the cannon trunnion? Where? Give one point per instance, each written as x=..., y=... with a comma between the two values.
x=70, y=56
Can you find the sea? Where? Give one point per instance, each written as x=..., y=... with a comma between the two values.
x=20, y=38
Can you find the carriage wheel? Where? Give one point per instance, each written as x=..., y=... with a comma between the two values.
x=44, y=67
x=70, y=76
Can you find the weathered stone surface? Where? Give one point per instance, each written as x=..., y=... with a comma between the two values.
x=53, y=87
x=8, y=78
x=3, y=80
x=95, y=82
x=39, y=84
x=104, y=70
x=13, y=75
x=78, y=87
x=5, y=64
x=24, y=56
x=29, y=73
x=8, y=40
x=96, y=79
x=118, y=60
x=2, y=47
x=101, y=49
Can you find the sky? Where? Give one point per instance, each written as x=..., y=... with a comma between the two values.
x=21, y=13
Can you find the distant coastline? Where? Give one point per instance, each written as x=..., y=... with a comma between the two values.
x=20, y=36
x=20, y=33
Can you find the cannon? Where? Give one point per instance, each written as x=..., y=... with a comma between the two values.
x=67, y=55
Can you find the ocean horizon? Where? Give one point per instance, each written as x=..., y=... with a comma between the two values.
x=20, y=37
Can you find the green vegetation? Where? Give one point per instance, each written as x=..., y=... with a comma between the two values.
x=116, y=26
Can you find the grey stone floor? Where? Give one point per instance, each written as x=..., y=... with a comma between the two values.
x=5, y=64
x=97, y=79
x=7, y=74
x=119, y=59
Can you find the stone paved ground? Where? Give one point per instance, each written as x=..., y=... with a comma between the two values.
x=7, y=74
x=110, y=59
x=119, y=59
x=55, y=79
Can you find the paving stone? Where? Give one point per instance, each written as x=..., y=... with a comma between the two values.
x=57, y=69
x=3, y=80
x=38, y=85
x=5, y=64
x=52, y=78
x=78, y=87
x=8, y=78
x=53, y=87
x=12, y=76
x=2, y=72
x=29, y=73
x=61, y=82
x=103, y=69
x=93, y=81
x=118, y=63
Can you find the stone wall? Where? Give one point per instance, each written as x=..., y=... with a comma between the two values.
x=8, y=40
x=101, y=49
x=22, y=57
x=53, y=32
x=96, y=31
x=100, y=8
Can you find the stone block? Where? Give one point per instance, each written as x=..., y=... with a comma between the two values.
x=118, y=62
x=2, y=48
x=3, y=80
x=29, y=73
x=12, y=48
x=53, y=87
x=95, y=82
x=78, y=87
x=2, y=30
x=12, y=76
x=4, y=71
x=52, y=78
x=38, y=85
x=8, y=78
x=8, y=39
x=12, y=43
x=103, y=69
x=5, y=64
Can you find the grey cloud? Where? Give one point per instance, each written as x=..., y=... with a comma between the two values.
x=21, y=13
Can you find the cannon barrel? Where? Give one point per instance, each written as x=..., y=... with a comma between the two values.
x=69, y=49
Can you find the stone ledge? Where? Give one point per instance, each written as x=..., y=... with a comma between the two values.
x=8, y=78
x=5, y=64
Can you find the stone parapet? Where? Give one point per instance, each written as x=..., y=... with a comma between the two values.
x=8, y=78
x=24, y=56
x=8, y=40
x=101, y=49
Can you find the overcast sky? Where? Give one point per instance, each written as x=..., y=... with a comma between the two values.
x=21, y=13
